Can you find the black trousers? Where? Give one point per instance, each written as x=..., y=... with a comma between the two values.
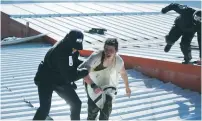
x=104, y=113
x=185, y=44
x=66, y=92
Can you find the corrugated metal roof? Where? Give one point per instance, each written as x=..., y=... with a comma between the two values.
x=140, y=34
x=140, y=27
x=50, y=8
x=151, y=99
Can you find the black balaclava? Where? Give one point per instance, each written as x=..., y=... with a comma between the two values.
x=197, y=17
x=75, y=37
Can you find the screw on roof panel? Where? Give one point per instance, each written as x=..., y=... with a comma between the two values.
x=100, y=41
x=88, y=42
x=136, y=46
x=123, y=39
x=146, y=38
x=124, y=47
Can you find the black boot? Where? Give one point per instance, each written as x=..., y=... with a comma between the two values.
x=186, y=62
x=187, y=59
x=187, y=56
x=167, y=48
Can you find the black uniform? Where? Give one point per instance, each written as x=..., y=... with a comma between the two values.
x=184, y=26
x=57, y=73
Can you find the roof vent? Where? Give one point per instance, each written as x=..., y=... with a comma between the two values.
x=100, y=31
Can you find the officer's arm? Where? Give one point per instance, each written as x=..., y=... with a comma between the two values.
x=79, y=62
x=176, y=7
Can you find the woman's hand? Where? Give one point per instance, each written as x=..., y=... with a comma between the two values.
x=128, y=91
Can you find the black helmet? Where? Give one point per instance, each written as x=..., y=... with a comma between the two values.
x=76, y=39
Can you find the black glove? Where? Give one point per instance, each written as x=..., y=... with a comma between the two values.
x=164, y=10
x=94, y=86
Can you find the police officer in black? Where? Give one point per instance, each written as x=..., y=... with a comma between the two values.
x=58, y=72
x=186, y=25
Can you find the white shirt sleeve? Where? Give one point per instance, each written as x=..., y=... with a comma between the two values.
x=119, y=63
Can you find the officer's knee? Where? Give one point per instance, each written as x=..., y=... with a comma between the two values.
x=184, y=47
x=76, y=104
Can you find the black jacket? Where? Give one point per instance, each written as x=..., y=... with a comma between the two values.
x=56, y=67
x=185, y=20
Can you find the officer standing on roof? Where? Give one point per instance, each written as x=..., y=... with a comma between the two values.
x=58, y=72
x=186, y=25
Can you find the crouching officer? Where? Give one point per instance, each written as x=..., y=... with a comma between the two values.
x=58, y=72
x=186, y=25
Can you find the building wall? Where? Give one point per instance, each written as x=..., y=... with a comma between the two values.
x=10, y=28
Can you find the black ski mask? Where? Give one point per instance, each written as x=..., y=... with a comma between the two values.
x=76, y=38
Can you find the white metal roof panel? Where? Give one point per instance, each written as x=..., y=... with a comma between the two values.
x=117, y=6
x=79, y=8
x=150, y=99
x=10, y=9
x=97, y=7
x=139, y=35
x=137, y=8
x=33, y=8
x=132, y=30
x=57, y=8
